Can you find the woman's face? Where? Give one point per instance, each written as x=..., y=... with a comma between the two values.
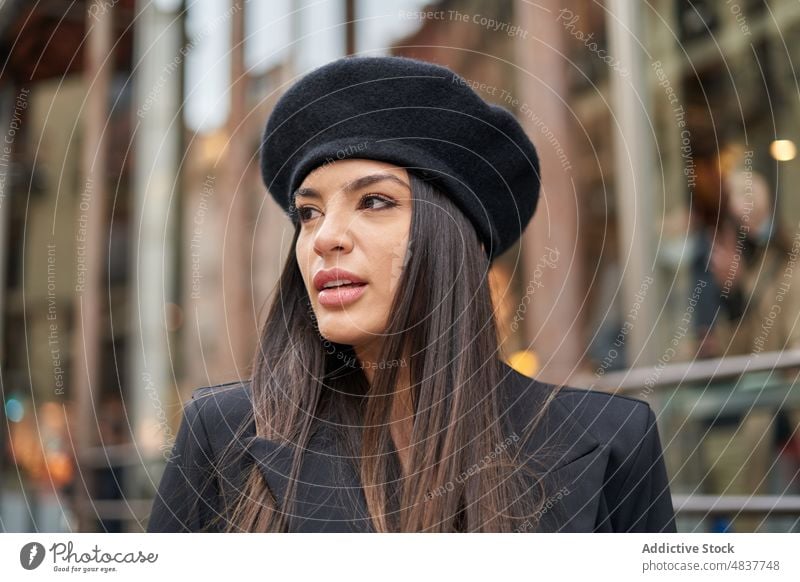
x=355, y=215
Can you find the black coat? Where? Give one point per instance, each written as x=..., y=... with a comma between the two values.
x=608, y=476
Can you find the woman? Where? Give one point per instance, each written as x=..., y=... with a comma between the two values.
x=377, y=400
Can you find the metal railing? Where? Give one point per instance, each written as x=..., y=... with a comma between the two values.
x=691, y=399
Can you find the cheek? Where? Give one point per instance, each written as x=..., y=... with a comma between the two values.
x=389, y=267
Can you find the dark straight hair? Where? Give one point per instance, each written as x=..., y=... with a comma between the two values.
x=442, y=320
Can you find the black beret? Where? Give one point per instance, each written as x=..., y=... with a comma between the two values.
x=414, y=114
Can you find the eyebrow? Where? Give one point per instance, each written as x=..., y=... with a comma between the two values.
x=354, y=185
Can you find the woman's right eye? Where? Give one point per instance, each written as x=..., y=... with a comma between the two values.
x=304, y=212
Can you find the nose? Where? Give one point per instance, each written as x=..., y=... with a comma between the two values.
x=333, y=233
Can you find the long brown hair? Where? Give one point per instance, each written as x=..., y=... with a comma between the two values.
x=442, y=319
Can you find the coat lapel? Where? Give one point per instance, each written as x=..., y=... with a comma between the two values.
x=571, y=462
x=329, y=495
x=573, y=494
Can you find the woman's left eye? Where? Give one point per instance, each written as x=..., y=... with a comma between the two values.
x=386, y=202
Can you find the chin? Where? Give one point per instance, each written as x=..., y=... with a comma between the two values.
x=346, y=333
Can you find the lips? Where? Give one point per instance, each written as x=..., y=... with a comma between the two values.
x=338, y=277
x=339, y=283
x=340, y=296
x=337, y=287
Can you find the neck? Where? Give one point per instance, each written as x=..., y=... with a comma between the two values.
x=401, y=418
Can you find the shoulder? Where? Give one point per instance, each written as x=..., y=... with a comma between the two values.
x=578, y=417
x=604, y=415
x=611, y=450
x=609, y=417
x=228, y=393
x=190, y=487
x=222, y=409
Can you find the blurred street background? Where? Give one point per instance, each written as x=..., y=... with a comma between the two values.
x=139, y=249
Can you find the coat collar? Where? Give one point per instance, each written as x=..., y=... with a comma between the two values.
x=330, y=497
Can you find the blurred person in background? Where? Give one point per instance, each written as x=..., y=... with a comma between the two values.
x=764, y=261
x=703, y=232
